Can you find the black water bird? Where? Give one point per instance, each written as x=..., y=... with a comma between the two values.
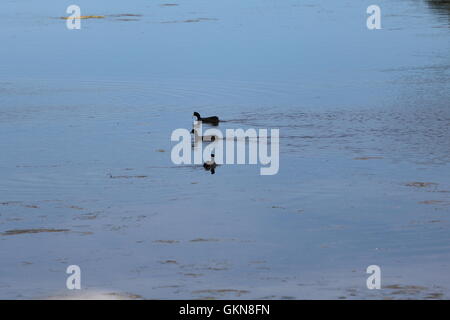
x=211, y=120
x=203, y=138
x=210, y=165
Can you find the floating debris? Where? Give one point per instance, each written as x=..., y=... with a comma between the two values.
x=121, y=16
x=193, y=275
x=166, y=241
x=405, y=290
x=83, y=17
x=76, y=207
x=29, y=231
x=432, y=202
x=97, y=295
x=124, y=15
x=7, y=203
x=204, y=240
x=169, y=262
x=190, y=20
x=420, y=184
x=367, y=158
x=87, y=216
x=123, y=19
x=127, y=177
x=434, y=295
x=238, y=293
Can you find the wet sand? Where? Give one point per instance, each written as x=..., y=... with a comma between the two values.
x=86, y=175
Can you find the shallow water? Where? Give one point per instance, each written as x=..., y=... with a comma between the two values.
x=86, y=176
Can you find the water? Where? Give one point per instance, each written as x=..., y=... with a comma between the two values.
x=363, y=117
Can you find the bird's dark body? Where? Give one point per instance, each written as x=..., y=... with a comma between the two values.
x=212, y=120
x=210, y=165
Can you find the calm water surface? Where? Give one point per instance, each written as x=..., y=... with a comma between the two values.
x=85, y=123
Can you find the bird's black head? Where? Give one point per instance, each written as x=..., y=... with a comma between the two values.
x=192, y=131
x=212, y=155
x=197, y=115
